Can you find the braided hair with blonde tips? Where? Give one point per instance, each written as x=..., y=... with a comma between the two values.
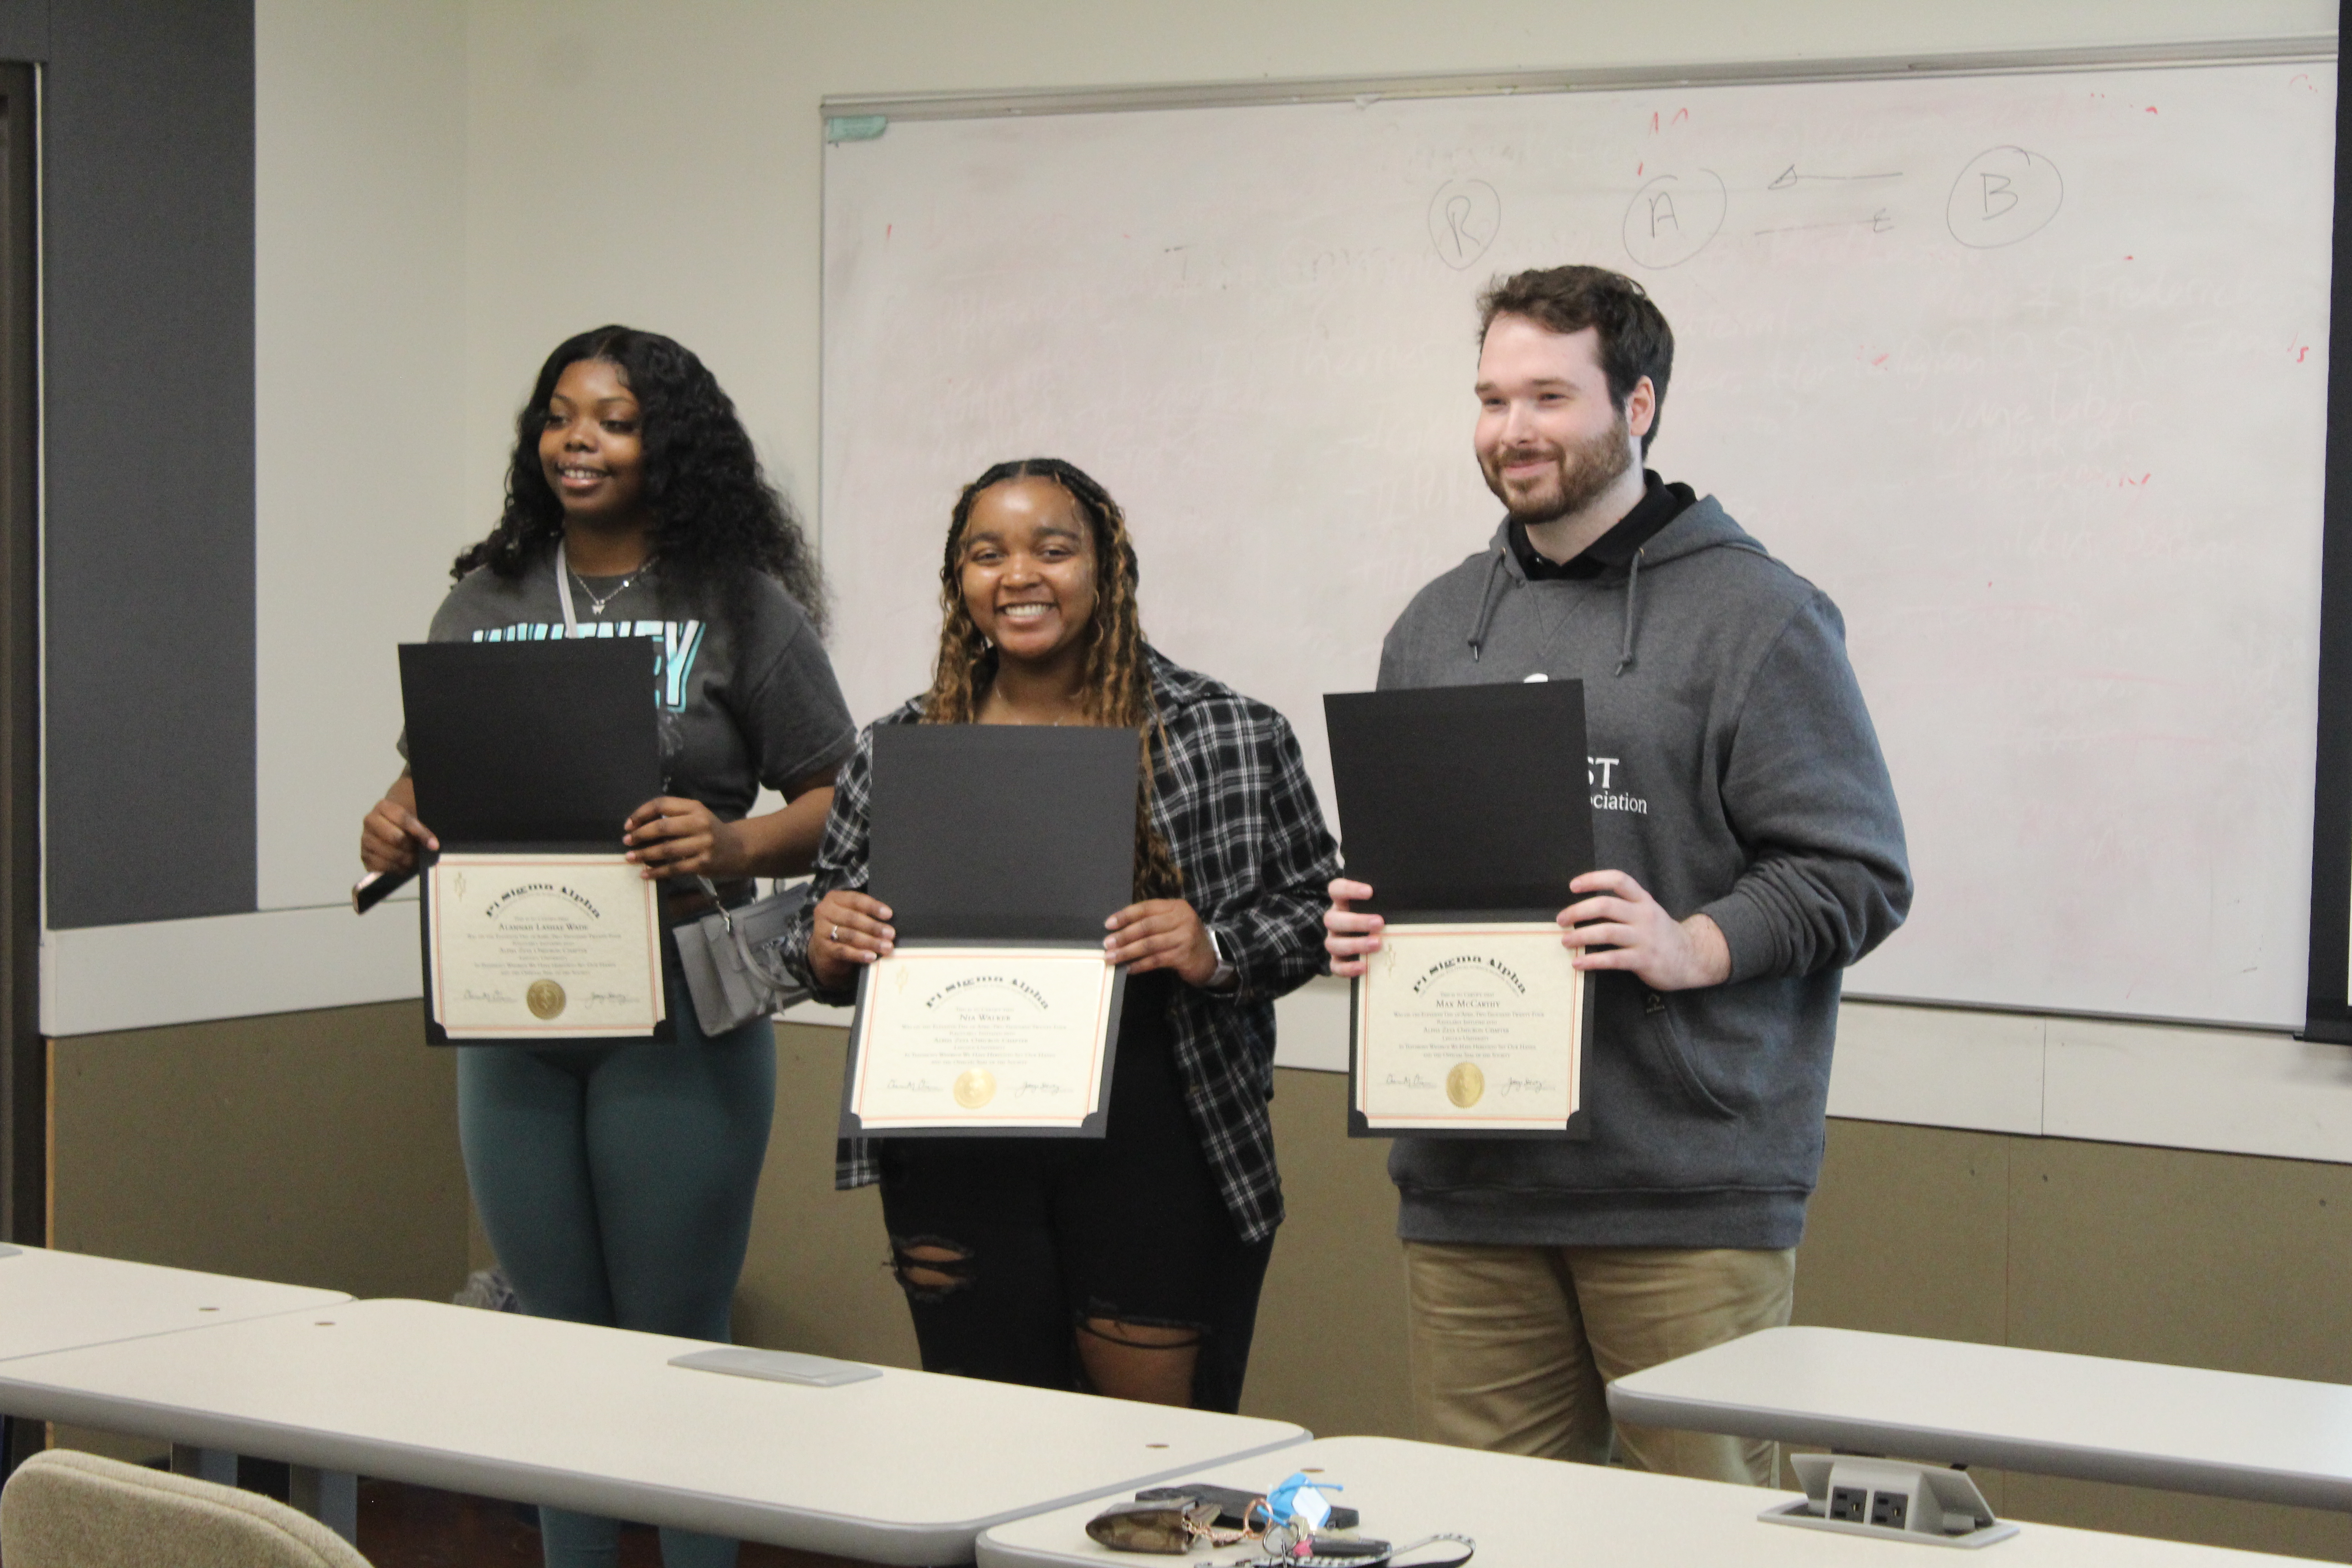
x=1115, y=681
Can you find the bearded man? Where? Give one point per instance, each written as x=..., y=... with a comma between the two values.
x=1754, y=849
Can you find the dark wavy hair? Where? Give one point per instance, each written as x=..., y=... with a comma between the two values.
x=715, y=514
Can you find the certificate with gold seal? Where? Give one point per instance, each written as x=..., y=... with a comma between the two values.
x=1475, y=1028
x=542, y=946
x=998, y=1038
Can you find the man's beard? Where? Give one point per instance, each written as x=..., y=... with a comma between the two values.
x=1584, y=475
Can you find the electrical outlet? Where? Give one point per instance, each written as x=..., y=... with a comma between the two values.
x=1889, y=1499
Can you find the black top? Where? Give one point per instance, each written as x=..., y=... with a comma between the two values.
x=1660, y=504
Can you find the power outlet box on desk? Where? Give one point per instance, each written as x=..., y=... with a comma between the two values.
x=1925, y=1505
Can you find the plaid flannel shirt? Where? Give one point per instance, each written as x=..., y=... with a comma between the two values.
x=1230, y=794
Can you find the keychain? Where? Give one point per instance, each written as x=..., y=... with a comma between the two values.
x=1169, y=1522
x=1293, y=1548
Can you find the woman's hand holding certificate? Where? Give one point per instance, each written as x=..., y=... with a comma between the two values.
x=991, y=1036
x=988, y=996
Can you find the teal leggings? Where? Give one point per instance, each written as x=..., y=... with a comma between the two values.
x=616, y=1183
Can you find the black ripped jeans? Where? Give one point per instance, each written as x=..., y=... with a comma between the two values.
x=1044, y=1233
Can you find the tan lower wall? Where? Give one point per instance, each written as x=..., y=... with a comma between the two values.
x=315, y=1148
x=322, y=1148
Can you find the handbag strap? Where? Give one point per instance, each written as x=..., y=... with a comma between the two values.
x=755, y=963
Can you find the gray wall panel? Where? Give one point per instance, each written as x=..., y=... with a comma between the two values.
x=23, y=29
x=149, y=191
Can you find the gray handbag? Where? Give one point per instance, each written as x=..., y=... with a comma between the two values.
x=729, y=972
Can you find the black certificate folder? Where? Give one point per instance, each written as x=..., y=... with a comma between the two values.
x=1464, y=806
x=534, y=747
x=1463, y=801
x=1002, y=832
x=1009, y=844
x=543, y=744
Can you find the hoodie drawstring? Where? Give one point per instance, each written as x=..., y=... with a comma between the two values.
x=1633, y=580
x=1487, y=600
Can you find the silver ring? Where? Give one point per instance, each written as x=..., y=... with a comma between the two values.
x=836, y=934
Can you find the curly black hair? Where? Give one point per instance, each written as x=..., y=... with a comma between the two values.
x=714, y=512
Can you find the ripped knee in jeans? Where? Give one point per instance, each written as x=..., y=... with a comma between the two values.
x=1142, y=1334
x=931, y=1267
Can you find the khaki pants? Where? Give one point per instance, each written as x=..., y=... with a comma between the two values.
x=1513, y=1346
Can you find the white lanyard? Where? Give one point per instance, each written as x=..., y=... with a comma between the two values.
x=563, y=592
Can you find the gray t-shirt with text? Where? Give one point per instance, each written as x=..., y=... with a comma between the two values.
x=739, y=706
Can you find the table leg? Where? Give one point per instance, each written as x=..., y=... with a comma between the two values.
x=217, y=1466
x=331, y=1497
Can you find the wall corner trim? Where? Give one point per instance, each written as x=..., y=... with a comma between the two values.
x=101, y=979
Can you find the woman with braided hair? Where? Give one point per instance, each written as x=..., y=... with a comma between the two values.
x=615, y=1178
x=1129, y=1266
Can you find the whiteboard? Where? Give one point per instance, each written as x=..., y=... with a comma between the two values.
x=2027, y=371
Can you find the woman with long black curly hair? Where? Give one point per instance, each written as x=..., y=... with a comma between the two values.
x=615, y=1179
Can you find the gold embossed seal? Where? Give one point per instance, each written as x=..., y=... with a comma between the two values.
x=1466, y=1085
x=975, y=1089
x=545, y=998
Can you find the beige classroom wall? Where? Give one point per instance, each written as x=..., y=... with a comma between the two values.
x=315, y=1148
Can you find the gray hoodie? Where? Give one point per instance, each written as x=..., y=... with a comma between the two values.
x=1733, y=771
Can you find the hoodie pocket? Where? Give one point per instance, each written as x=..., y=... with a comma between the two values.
x=1667, y=1034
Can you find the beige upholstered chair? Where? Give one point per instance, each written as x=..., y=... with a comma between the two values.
x=69, y=1510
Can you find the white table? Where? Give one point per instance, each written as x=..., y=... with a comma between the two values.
x=2271, y=1439
x=61, y=1300
x=906, y=1467
x=64, y=1301
x=1534, y=1511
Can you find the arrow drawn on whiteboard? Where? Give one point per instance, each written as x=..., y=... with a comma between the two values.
x=1464, y=215
x=1788, y=178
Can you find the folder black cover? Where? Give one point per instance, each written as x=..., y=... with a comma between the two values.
x=985, y=835
x=545, y=746
x=1460, y=803
x=1002, y=832
x=1463, y=801
x=537, y=744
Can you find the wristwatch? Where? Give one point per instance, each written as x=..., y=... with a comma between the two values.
x=1224, y=975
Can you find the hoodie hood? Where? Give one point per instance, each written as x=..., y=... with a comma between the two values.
x=1701, y=526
